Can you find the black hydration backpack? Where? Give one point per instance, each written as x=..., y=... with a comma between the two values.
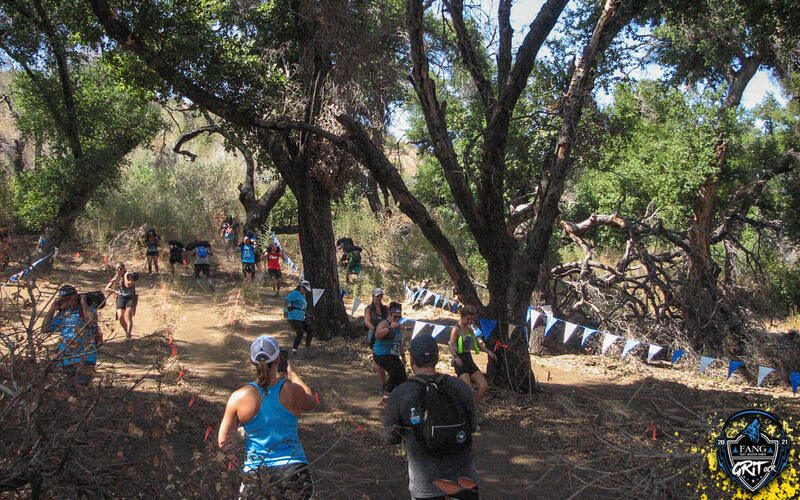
x=445, y=427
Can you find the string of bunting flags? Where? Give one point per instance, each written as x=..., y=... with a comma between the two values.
x=488, y=326
x=24, y=273
x=570, y=329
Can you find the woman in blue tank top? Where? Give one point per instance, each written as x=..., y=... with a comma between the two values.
x=275, y=462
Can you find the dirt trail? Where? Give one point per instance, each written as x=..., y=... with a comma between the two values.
x=514, y=448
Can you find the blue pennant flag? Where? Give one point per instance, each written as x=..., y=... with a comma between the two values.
x=436, y=300
x=795, y=378
x=732, y=367
x=630, y=344
x=705, y=361
x=587, y=332
x=676, y=355
x=417, y=293
x=455, y=306
x=487, y=326
x=402, y=320
x=551, y=321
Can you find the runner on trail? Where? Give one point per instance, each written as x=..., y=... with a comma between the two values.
x=248, y=258
x=439, y=465
x=151, y=242
x=295, y=309
x=201, y=255
x=273, y=256
x=122, y=284
x=275, y=463
x=256, y=251
x=462, y=341
x=176, y=250
x=229, y=236
x=354, y=264
x=76, y=322
x=376, y=312
x=388, y=351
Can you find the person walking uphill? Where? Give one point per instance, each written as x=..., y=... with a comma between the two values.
x=76, y=322
x=247, y=249
x=151, y=242
x=462, y=342
x=275, y=463
x=295, y=307
x=273, y=256
x=374, y=313
x=433, y=415
x=388, y=351
x=123, y=285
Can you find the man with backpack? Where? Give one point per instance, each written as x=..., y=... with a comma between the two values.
x=201, y=260
x=433, y=415
x=247, y=249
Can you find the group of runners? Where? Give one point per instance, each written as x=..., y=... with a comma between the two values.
x=432, y=414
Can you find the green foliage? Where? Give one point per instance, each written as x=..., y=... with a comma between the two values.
x=111, y=120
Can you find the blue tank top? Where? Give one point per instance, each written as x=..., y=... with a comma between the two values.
x=272, y=438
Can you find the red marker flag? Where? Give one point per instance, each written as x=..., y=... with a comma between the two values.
x=208, y=433
x=77, y=255
x=174, y=351
x=180, y=375
x=191, y=402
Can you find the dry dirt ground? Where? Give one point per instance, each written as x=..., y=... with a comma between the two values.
x=598, y=427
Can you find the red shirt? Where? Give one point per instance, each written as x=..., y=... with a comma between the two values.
x=274, y=260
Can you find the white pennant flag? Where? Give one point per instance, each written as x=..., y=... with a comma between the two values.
x=356, y=303
x=437, y=329
x=509, y=329
x=608, y=339
x=535, y=317
x=652, y=351
x=418, y=326
x=705, y=361
x=763, y=371
x=445, y=304
x=569, y=330
x=316, y=293
x=630, y=344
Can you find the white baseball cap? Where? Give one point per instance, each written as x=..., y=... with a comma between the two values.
x=377, y=292
x=264, y=348
x=305, y=284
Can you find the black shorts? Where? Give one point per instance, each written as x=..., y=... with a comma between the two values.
x=175, y=259
x=127, y=301
x=150, y=253
x=248, y=267
x=468, y=366
x=274, y=273
x=257, y=257
x=285, y=481
x=201, y=269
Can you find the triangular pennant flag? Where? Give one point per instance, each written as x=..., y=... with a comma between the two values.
x=436, y=301
x=763, y=371
x=551, y=321
x=652, y=351
x=795, y=379
x=455, y=306
x=356, y=303
x=487, y=325
x=316, y=293
x=676, y=355
x=534, y=317
x=630, y=344
x=587, y=332
x=569, y=329
x=445, y=304
x=608, y=339
x=437, y=329
x=705, y=361
x=509, y=330
x=425, y=296
x=418, y=326
x=733, y=366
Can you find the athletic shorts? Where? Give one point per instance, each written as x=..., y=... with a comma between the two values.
x=354, y=268
x=274, y=273
x=201, y=269
x=127, y=301
x=150, y=253
x=286, y=481
x=248, y=267
x=175, y=259
x=469, y=367
x=257, y=257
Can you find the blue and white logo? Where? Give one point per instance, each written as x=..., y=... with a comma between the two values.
x=753, y=448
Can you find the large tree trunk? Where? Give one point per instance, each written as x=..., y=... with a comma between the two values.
x=318, y=246
x=53, y=235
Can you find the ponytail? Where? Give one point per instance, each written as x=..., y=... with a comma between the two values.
x=264, y=374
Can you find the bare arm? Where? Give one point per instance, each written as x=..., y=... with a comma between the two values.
x=453, y=343
x=383, y=329
x=368, y=319
x=48, y=318
x=110, y=285
x=230, y=421
x=300, y=397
